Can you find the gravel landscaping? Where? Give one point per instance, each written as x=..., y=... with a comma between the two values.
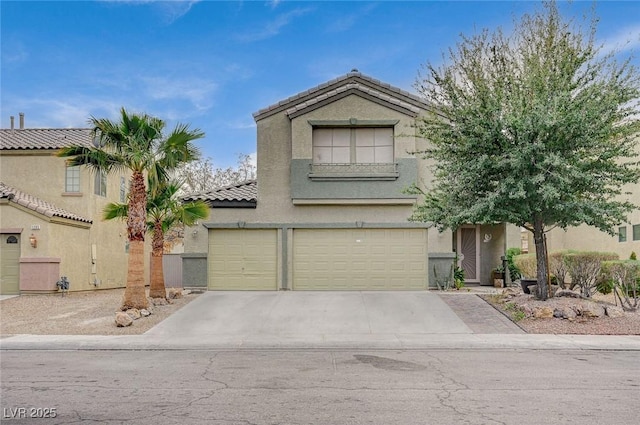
x=77, y=313
x=522, y=309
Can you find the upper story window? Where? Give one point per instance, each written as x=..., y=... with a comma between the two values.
x=636, y=232
x=353, y=145
x=100, y=183
x=353, y=150
x=72, y=179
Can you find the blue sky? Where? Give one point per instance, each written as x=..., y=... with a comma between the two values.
x=212, y=64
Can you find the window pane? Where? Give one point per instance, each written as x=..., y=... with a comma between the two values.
x=365, y=136
x=342, y=137
x=364, y=155
x=622, y=234
x=322, y=137
x=341, y=155
x=636, y=232
x=321, y=155
x=384, y=137
x=384, y=154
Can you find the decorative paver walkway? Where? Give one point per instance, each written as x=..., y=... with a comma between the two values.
x=479, y=315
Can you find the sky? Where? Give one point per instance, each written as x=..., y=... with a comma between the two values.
x=212, y=64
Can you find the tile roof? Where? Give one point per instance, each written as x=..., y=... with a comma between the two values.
x=241, y=192
x=347, y=87
x=44, y=138
x=36, y=204
x=351, y=77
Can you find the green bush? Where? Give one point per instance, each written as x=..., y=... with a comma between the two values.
x=514, y=272
x=633, y=256
x=526, y=264
x=585, y=269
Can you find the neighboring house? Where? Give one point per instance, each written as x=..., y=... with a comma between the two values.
x=51, y=216
x=328, y=210
x=625, y=241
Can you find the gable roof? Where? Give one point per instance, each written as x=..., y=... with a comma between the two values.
x=353, y=82
x=243, y=194
x=36, y=204
x=44, y=138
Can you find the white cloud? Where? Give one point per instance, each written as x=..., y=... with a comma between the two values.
x=274, y=27
x=197, y=91
x=170, y=10
x=624, y=40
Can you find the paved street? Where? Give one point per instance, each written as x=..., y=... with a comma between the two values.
x=233, y=387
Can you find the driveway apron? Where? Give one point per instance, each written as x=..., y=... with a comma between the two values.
x=219, y=315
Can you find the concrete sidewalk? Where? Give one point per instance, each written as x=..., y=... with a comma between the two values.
x=329, y=320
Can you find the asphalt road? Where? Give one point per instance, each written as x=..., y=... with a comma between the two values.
x=320, y=387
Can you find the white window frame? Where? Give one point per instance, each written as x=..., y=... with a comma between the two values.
x=100, y=183
x=72, y=179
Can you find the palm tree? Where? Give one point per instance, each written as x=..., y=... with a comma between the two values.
x=135, y=143
x=164, y=211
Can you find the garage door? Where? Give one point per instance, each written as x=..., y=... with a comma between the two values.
x=359, y=259
x=243, y=259
x=10, y=264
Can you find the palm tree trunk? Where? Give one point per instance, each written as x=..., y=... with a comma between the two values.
x=157, y=288
x=135, y=294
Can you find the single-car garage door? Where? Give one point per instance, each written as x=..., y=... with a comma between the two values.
x=359, y=259
x=243, y=259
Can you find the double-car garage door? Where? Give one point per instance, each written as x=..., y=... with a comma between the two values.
x=321, y=259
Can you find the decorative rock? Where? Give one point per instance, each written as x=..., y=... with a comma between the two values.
x=159, y=301
x=134, y=313
x=614, y=311
x=558, y=313
x=569, y=313
x=542, y=312
x=508, y=292
x=145, y=313
x=526, y=309
x=186, y=292
x=174, y=293
x=123, y=319
x=592, y=310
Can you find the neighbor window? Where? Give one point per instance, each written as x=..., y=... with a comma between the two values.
x=72, y=179
x=345, y=145
x=622, y=234
x=100, y=183
x=123, y=189
x=636, y=232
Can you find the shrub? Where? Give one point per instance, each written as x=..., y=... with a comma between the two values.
x=514, y=272
x=526, y=264
x=584, y=268
x=558, y=266
x=633, y=256
x=625, y=276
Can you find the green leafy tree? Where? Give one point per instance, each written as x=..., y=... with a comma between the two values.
x=136, y=142
x=164, y=212
x=536, y=129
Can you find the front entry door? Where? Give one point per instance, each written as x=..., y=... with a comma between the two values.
x=468, y=244
x=9, y=264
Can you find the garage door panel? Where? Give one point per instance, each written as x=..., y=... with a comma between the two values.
x=243, y=259
x=375, y=259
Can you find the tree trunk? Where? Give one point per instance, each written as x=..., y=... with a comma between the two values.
x=157, y=288
x=135, y=294
x=542, y=292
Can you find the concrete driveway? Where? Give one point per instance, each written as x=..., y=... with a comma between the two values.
x=314, y=317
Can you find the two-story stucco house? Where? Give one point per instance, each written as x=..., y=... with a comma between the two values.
x=51, y=216
x=328, y=210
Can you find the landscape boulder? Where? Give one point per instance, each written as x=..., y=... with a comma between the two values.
x=592, y=310
x=174, y=293
x=145, y=313
x=134, y=313
x=123, y=319
x=542, y=312
x=614, y=311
